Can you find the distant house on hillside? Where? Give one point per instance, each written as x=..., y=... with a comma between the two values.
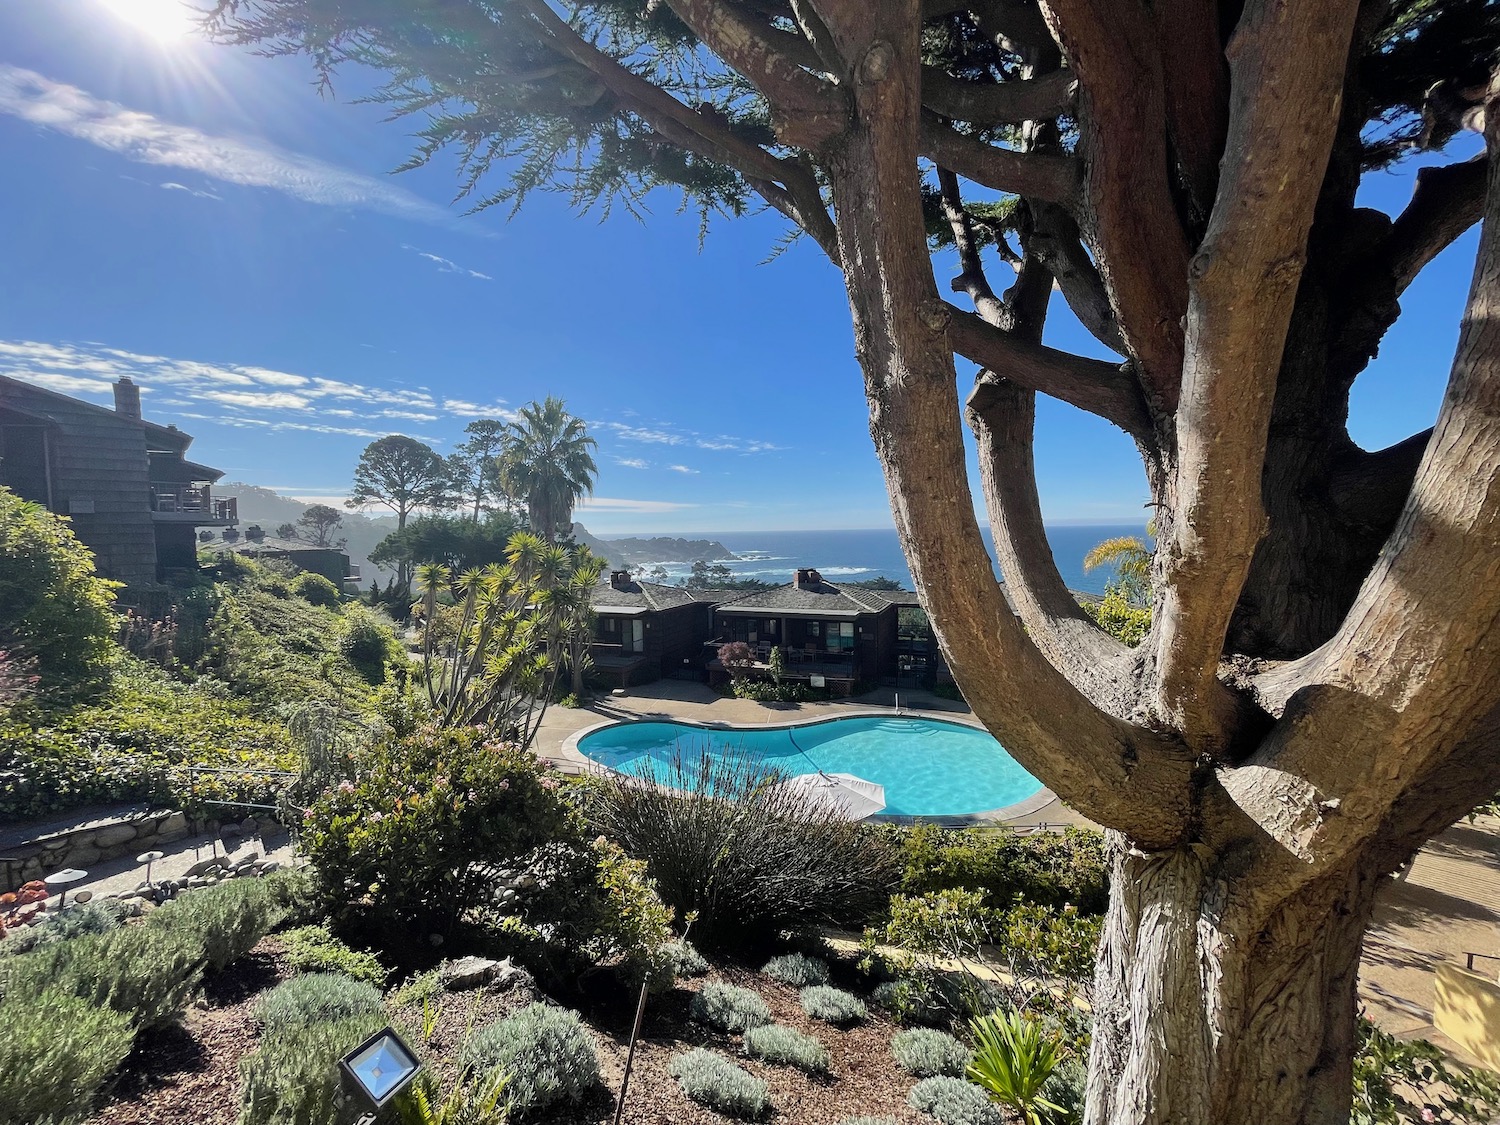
x=644, y=631
x=831, y=636
x=331, y=562
x=132, y=495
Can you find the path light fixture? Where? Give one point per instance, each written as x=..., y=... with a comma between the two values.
x=148, y=858
x=377, y=1070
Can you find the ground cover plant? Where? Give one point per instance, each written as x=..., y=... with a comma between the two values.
x=832, y=1005
x=685, y=958
x=729, y=1008
x=130, y=742
x=547, y=1053
x=714, y=1081
x=797, y=970
x=952, y=1101
x=926, y=1052
x=788, y=1047
x=313, y=949
x=147, y=974
x=748, y=858
x=316, y=998
x=1190, y=179
x=224, y=921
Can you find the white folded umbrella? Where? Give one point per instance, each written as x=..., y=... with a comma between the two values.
x=852, y=797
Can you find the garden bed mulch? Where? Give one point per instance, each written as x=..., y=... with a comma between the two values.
x=189, y=1075
x=863, y=1077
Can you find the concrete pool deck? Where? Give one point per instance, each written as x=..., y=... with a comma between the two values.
x=680, y=701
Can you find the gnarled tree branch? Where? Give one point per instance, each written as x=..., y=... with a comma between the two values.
x=1448, y=200
x=1055, y=240
x=1129, y=217
x=806, y=111
x=1037, y=175
x=1096, y=761
x=1415, y=668
x=997, y=103
x=1101, y=388
x=1287, y=67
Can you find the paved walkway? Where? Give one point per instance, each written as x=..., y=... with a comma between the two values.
x=1447, y=907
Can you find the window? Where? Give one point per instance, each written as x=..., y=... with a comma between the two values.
x=840, y=636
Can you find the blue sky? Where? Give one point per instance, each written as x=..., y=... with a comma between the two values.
x=202, y=220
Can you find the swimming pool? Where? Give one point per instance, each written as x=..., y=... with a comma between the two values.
x=929, y=767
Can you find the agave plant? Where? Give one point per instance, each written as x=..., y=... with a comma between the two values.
x=1013, y=1058
x=517, y=620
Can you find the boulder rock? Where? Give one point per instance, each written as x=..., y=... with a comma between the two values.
x=481, y=972
x=174, y=825
x=204, y=866
x=114, y=835
x=467, y=972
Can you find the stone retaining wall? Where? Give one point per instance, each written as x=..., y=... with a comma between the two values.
x=96, y=842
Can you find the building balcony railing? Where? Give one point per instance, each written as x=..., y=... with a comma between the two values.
x=186, y=503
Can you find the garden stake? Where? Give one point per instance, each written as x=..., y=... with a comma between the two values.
x=635, y=1033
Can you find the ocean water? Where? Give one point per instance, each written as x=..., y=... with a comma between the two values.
x=772, y=556
x=927, y=767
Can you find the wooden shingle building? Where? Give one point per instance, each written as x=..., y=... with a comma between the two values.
x=125, y=483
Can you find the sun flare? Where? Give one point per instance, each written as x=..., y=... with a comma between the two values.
x=163, y=20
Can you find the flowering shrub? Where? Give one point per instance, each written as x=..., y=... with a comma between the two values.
x=410, y=835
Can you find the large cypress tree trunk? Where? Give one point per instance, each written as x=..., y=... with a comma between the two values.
x=1211, y=1006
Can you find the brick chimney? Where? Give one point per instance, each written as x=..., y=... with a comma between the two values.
x=620, y=579
x=807, y=576
x=127, y=398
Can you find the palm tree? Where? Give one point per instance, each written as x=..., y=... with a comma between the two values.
x=1131, y=558
x=549, y=463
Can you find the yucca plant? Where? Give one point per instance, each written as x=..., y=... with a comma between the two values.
x=1013, y=1058
x=517, y=620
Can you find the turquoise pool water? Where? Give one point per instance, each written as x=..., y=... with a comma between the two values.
x=928, y=767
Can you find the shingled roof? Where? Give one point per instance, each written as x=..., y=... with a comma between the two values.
x=639, y=597
x=811, y=598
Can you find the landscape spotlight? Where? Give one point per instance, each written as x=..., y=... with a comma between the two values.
x=379, y=1069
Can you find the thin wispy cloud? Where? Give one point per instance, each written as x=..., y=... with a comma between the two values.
x=248, y=395
x=641, y=433
x=246, y=161
x=620, y=504
x=682, y=469
x=447, y=265
x=632, y=462
x=463, y=408
x=723, y=443
x=172, y=186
